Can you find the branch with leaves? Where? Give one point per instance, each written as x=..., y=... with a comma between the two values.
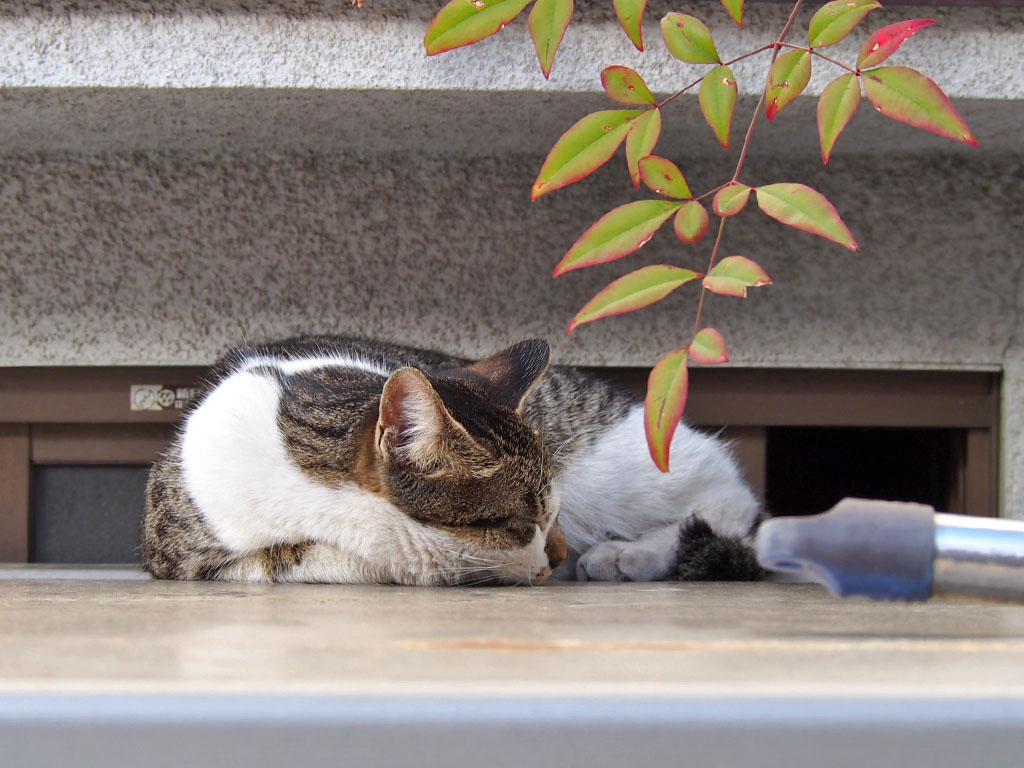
x=900, y=93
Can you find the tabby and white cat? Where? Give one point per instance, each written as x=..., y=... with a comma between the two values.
x=327, y=459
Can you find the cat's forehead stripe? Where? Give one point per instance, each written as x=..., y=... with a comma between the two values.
x=290, y=367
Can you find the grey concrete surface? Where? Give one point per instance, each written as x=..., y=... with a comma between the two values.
x=114, y=671
x=164, y=258
x=272, y=46
x=324, y=121
x=733, y=640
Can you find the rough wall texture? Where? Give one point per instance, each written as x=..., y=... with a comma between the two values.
x=166, y=258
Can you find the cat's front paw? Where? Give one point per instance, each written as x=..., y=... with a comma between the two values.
x=624, y=561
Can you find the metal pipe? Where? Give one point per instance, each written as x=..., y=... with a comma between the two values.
x=898, y=551
x=978, y=557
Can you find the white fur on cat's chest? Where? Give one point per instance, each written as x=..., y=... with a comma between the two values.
x=237, y=470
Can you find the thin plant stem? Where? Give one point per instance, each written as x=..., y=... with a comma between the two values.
x=710, y=192
x=776, y=47
x=820, y=55
x=711, y=264
x=728, y=63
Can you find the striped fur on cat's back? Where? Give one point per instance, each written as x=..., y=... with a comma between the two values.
x=340, y=460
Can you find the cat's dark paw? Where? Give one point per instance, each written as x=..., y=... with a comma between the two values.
x=706, y=556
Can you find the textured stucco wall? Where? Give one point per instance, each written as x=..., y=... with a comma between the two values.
x=176, y=176
x=165, y=258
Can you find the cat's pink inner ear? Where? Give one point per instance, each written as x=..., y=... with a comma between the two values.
x=512, y=373
x=411, y=416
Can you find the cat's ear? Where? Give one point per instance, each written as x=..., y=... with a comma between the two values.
x=415, y=430
x=512, y=374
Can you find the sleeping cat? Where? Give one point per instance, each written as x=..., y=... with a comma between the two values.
x=328, y=459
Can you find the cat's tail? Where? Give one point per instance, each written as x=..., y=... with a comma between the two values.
x=707, y=556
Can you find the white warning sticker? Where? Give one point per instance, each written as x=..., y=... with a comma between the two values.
x=157, y=397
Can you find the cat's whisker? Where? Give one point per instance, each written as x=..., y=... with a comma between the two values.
x=471, y=558
x=472, y=568
x=480, y=580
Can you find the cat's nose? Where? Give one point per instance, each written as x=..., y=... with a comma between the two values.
x=555, y=547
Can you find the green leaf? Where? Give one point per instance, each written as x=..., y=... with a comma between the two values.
x=906, y=95
x=464, y=22
x=884, y=43
x=834, y=20
x=631, y=17
x=634, y=291
x=718, y=101
x=548, y=21
x=708, y=347
x=691, y=223
x=584, y=148
x=836, y=106
x=667, y=387
x=664, y=177
x=735, y=9
x=626, y=86
x=733, y=275
x=618, y=233
x=787, y=79
x=730, y=199
x=641, y=140
x=800, y=206
x=688, y=39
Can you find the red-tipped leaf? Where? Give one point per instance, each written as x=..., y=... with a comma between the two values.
x=708, y=347
x=731, y=199
x=836, y=106
x=626, y=86
x=667, y=387
x=718, y=101
x=735, y=9
x=834, y=20
x=548, y=21
x=906, y=95
x=884, y=43
x=640, y=141
x=663, y=177
x=802, y=207
x=631, y=16
x=634, y=291
x=688, y=39
x=618, y=233
x=733, y=275
x=787, y=79
x=464, y=22
x=584, y=148
x=691, y=222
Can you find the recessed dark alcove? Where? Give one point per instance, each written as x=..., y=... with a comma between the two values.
x=86, y=513
x=809, y=469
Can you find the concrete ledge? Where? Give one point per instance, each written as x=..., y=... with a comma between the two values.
x=439, y=122
x=272, y=47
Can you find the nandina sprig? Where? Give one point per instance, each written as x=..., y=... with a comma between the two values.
x=899, y=93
